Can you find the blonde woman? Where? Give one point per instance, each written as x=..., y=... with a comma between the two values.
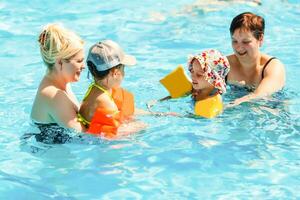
x=55, y=106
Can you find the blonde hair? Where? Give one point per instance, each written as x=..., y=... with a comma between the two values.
x=57, y=42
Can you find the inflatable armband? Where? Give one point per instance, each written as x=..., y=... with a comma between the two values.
x=124, y=101
x=105, y=122
x=209, y=107
x=177, y=83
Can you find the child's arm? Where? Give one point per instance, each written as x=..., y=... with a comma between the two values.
x=153, y=102
x=158, y=114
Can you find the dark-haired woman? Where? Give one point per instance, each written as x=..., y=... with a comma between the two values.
x=262, y=73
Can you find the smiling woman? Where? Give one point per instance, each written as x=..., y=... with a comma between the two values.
x=249, y=67
x=55, y=104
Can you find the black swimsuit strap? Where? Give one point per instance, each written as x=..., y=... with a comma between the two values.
x=263, y=70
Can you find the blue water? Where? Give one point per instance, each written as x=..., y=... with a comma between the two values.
x=249, y=152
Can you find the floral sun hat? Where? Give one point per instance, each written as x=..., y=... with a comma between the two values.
x=215, y=67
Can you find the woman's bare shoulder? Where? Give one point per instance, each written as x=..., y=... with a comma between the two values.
x=47, y=89
x=274, y=64
x=266, y=58
x=51, y=92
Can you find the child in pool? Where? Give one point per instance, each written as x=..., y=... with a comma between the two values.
x=99, y=111
x=208, y=71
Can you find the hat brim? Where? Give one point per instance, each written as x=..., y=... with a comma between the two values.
x=128, y=60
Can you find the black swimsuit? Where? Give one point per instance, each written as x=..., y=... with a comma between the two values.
x=263, y=70
x=52, y=133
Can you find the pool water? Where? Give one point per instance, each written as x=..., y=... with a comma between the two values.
x=249, y=152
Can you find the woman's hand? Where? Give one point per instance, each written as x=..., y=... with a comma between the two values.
x=243, y=99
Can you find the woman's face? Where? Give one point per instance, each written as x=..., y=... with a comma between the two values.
x=72, y=68
x=197, y=75
x=245, y=45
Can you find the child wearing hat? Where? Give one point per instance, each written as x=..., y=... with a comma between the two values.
x=207, y=72
x=106, y=105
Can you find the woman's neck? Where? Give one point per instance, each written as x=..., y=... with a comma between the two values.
x=56, y=80
x=250, y=65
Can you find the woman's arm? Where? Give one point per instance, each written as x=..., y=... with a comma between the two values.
x=274, y=80
x=63, y=110
x=72, y=95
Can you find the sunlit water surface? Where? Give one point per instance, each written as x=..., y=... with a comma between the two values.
x=249, y=152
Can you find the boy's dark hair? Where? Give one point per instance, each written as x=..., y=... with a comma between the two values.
x=100, y=74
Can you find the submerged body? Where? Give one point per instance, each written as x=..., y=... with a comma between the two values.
x=55, y=103
x=249, y=67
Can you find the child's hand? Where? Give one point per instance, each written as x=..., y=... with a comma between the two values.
x=238, y=101
x=230, y=105
x=162, y=114
x=131, y=127
x=151, y=103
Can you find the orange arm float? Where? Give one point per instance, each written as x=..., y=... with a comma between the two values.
x=124, y=101
x=105, y=122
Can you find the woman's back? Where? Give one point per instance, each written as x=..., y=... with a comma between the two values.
x=47, y=95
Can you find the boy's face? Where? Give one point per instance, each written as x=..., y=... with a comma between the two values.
x=197, y=75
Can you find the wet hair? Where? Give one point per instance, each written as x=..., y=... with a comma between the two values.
x=248, y=21
x=57, y=42
x=102, y=74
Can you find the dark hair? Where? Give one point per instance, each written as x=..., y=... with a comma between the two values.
x=249, y=22
x=101, y=74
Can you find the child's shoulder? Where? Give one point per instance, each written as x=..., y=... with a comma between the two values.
x=105, y=101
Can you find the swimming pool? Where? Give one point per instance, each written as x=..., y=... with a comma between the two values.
x=251, y=151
